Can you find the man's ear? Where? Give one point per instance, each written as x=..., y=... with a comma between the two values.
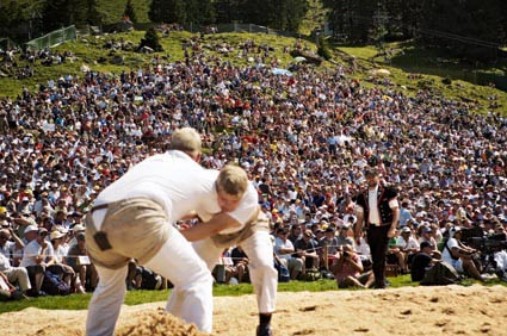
x=197, y=157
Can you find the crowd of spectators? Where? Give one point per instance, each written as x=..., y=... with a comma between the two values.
x=19, y=64
x=304, y=140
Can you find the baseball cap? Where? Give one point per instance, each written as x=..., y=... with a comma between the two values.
x=78, y=227
x=454, y=230
x=31, y=228
x=56, y=234
x=406, y=229
x=427, y=229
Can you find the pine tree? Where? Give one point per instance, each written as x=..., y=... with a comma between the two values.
x=130, y=12
x=152, y=40
x=296, y=11
x=93, y=15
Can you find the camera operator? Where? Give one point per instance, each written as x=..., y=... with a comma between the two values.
x=500, y=256
x=460, y=256
x=348, y=269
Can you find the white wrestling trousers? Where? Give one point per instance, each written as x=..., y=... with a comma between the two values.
x=191, y=298
x=263, y=275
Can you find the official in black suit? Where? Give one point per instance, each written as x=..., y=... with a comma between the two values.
x=378, y=210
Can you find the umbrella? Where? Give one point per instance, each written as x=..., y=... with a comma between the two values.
x=278, y=71
x=380, y=72
x=300, y=59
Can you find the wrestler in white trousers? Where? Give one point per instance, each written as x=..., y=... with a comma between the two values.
x=191, y=298
x=263, y=275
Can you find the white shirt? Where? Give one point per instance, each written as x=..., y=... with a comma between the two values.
x=8, y=249
x=34, y=249
x=172, y=179
x=446, y=255
x=5, y=264
x=374, y=216
x=407, y=245
x=280, y=244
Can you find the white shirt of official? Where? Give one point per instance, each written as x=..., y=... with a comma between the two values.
x=374, y=215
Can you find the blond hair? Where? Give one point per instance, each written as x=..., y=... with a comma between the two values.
x=186, y=139
x=233, y=180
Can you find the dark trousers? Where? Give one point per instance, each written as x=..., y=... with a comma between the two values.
x=378, y=241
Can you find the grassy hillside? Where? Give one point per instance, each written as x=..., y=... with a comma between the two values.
x=433, y=69
x=88, y=50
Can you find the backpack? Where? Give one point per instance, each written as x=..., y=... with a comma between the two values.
x=440, y=274
x=311, y=274
x=54, y=285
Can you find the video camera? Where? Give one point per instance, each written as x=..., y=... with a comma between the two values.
x=475, y=238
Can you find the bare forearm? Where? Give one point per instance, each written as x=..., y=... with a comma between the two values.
x=218, y=223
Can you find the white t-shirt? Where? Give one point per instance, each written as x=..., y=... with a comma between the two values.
x=280, y=244
x=242, y=214
x=5, y=264
x=172, y=179
x=8, y=249
x=32, y=250
x=446, y=255
x=407, y=245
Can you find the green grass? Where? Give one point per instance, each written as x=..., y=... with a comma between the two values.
x=421, y=61
x=77, y=302
x=90, y=48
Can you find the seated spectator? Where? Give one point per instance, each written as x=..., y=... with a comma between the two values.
x=8, y=249
x=7, y=290
x=141, y=277
x=344, y=237
x=240, y=264
x=460, y=256
x=408, y=246
x=363, y=249
x=394, y=254
x=284, y=249
x=306, y=249
x=328, y=244
x=60, y=266
x=423, y=260
x=85, y=270
x=348, y=270
x=36, y=256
